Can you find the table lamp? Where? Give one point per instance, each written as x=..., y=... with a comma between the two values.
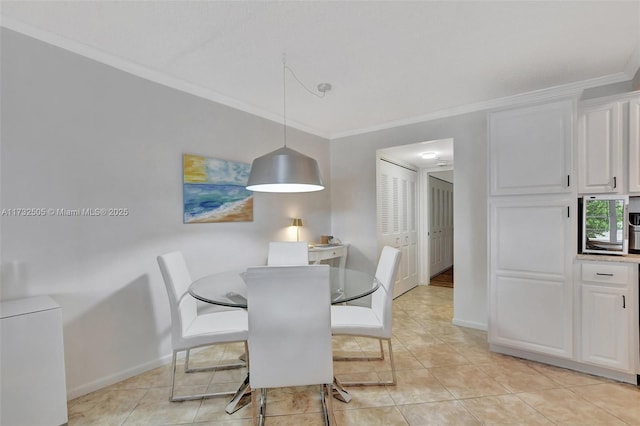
x=297, y=222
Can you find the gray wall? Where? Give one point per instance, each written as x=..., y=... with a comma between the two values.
x=76, y=133
x=353, y=201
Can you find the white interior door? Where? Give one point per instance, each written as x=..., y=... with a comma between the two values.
x=397, y=219
x=440, y=225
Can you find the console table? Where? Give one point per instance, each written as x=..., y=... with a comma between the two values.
x=318, y=253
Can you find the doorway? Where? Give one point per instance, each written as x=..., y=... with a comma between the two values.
x=429, y=159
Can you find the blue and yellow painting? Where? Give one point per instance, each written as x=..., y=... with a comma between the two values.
x=215, y=190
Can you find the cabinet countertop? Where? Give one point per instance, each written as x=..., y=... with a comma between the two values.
x=629, y=258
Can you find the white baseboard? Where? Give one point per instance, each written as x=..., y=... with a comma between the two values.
x=569, y=364
x=469, y=324
x=115, y=378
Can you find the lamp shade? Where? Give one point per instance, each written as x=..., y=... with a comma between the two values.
x=285, y=170
x=296, y=222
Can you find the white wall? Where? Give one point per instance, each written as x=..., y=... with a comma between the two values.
x=76, y=133
x=446, y=175
x=353, y=201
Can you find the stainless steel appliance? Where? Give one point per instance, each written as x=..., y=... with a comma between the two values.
x=605, y=224
x=634, y=233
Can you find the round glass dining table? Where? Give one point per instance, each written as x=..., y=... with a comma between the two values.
x=229, y=288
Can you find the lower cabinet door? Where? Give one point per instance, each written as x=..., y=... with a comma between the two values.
x=605, y=326
x=530, y=287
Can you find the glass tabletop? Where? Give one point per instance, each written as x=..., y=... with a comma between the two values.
x=229, y=288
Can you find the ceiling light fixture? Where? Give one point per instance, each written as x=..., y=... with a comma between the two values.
x=429, y=155
x=286, y=170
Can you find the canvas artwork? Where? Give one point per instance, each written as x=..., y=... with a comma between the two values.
x=214, y=190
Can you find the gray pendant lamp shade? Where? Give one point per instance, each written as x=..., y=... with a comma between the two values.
x=285, y=170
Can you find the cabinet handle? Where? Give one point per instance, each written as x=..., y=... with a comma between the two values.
x=615, y=183
x=604, y=275
x=568, y=181
x=624, y=302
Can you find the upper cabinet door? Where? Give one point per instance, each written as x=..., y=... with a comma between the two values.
x=530, y=149
x=600, y=149
x=634, y=145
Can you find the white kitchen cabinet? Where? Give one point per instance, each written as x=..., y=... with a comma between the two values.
x=608, y=149
x=32, y=373
x=608, y=315
x=634, y=144
x=530, y=149
x=600, y=148
x=530, y=286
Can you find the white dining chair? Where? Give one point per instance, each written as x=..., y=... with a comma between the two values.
x=374, y=321
x=190, y=330
x=289, y=332
x=288, y=253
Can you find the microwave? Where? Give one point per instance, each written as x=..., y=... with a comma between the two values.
x=605, y=224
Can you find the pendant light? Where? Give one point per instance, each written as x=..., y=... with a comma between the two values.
x=285, y=169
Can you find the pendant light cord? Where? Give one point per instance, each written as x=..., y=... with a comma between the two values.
x=305, y=87
x=284, y=96
x=284, y=92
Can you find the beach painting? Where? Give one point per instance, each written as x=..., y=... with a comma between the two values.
x=215, y=190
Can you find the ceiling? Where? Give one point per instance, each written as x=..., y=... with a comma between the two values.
x=390, y=63
x=412, y=154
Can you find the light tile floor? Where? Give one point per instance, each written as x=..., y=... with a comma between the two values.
x=446, y=376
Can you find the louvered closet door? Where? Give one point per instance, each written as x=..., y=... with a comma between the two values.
x=397, y=224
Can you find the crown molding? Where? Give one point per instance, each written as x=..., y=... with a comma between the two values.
x=149, y=73
x=633, y=64
x=566, y=90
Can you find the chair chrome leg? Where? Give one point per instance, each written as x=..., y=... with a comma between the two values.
x=236, y=402
x=327, y=404
x=174, y=398
x=186, y=361
x=339, y=392
x=215, y=367
x=262, y=413
x=393, y=380
x=362, y=358
x=381, y=349
x=173, y=374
